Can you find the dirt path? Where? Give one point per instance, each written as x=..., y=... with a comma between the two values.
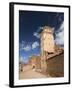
x=31, y=73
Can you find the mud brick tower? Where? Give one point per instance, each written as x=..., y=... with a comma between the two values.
x=47, y=45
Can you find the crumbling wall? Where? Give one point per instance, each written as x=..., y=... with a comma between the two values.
x=55, y=66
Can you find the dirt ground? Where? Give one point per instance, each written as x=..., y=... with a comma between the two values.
x=29, y=73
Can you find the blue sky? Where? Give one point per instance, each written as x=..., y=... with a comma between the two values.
x=30, y=23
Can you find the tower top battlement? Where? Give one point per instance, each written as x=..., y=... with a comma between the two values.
x=47, y=29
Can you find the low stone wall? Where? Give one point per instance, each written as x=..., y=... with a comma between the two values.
x=55, y=66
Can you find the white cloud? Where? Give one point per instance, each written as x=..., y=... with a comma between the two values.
x=23, y=60
x=36, y=34
x=60, y=38
x=21, y=45
x=60, y=35
x=24, y=46
x=62, y=26
x=35, y=45
x=40, y=27
x=27, y=48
